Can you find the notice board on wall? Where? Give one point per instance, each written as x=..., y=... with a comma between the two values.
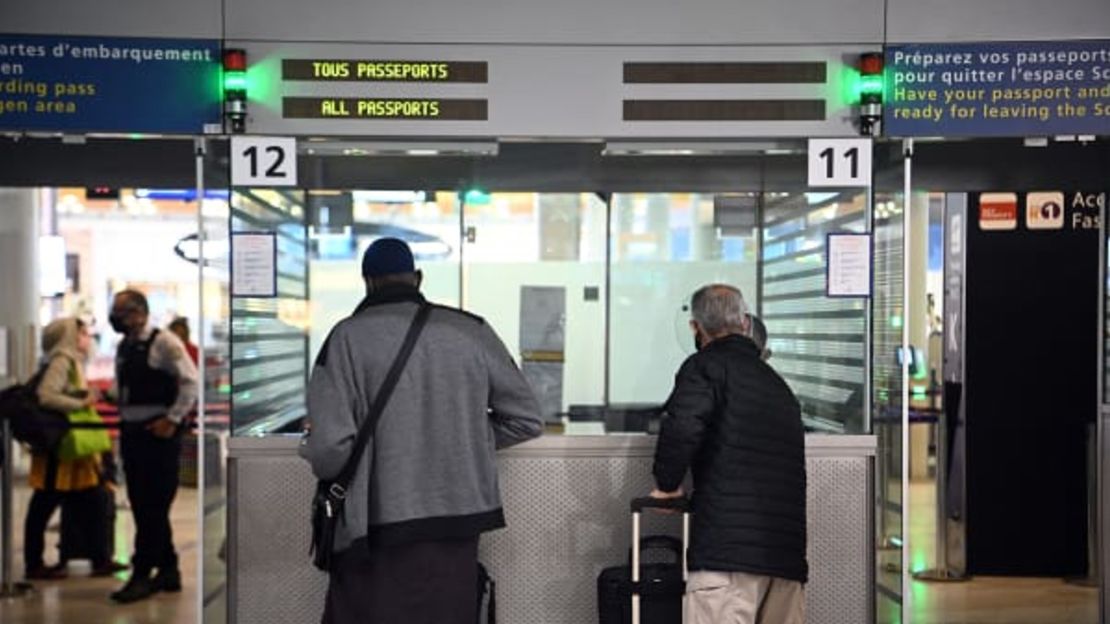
x=109, y=84
x=1023, y=89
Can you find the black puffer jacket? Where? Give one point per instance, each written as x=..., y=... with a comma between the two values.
x=734, y=422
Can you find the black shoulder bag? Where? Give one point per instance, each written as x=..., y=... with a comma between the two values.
x=327, y=504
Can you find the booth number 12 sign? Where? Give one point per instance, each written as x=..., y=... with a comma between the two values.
x=263, y=161
x=840, y=162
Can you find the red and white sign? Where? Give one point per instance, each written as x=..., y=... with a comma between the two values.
x=998, y=211
x=1044, y=211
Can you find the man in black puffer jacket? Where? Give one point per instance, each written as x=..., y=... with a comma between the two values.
x=735, y=424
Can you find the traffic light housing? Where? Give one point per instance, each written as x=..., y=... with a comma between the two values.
x=235, y=89
x=871, y=87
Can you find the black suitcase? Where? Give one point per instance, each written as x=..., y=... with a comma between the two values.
x=86, y=519
x=646, y=593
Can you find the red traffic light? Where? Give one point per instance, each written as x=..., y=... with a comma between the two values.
x=871, y=64
x=235, y=60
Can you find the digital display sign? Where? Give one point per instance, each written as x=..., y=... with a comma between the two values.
x=329, y=70
x=384, y=108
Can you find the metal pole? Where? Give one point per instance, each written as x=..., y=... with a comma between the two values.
x=907, y=248
x=199, y=146
x=942, y=571
x=1101, y=400
x=868, y=306
x=607, y=357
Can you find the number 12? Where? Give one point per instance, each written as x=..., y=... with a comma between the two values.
x=275, y=169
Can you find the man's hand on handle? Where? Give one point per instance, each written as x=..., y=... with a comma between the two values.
x=661, y=495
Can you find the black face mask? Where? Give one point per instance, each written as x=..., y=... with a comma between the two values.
x=697, y=341
x=116, y=322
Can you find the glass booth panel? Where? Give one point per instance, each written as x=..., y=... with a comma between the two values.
x=213, y=334
x=663, y=247
x=343, y=223
x=819, y=344
x=269, y=334
x=534, y=268
x=889, y=320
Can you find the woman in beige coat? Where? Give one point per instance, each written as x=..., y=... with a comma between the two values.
x=66, y=343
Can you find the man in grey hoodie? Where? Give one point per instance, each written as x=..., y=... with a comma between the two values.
x=426, y=487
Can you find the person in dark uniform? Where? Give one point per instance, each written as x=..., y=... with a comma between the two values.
x=157, y=386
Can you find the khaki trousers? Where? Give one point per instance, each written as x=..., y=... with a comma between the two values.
x=740, y=598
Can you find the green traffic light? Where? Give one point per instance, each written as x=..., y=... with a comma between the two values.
x=235, y=81
x=477, y=197
x=871, y=85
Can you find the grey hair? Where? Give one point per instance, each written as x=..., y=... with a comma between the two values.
x=719, y=308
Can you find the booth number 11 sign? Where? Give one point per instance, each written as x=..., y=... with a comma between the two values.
x=840, y=162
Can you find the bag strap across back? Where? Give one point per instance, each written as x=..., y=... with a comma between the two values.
x=370, y=424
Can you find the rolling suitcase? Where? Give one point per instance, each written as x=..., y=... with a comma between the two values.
x=88, y=525
x=646, y=593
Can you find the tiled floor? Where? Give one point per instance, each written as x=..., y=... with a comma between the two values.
x=83, y=600
x=986, y=600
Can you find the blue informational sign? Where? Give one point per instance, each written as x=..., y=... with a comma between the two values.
x=997, y=89
x=96, y=84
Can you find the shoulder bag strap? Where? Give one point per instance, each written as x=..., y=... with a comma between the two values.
x=382, y=398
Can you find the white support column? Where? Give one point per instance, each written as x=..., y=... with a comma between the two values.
x=19, y=299
x=19, y=277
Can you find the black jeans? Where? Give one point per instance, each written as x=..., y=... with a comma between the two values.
x=421, y=583
x=42, y=506
x=150, y=465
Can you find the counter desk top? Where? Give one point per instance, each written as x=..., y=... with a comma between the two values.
x=614, y=445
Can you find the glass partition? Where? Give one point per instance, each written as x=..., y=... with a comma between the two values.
x=589, y=291
x=213, y=335
x=534, y=268
x=663, y=248
x=889, y=319
x=819, y=343
x=576, y=284
x=343, y=223
x=269, y=338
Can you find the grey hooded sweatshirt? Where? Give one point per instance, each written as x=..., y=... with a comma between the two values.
x=429, y=471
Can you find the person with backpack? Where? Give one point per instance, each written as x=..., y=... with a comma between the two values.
x=73, y=469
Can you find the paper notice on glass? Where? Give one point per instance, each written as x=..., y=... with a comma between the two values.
x=849, y=265
x=253, y=264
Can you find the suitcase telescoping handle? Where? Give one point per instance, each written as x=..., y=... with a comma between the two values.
x=638, y=506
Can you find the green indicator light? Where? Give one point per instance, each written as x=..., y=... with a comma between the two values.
x=235, y=81
x=896, y=322
x=477, y=197
x=870, y=85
